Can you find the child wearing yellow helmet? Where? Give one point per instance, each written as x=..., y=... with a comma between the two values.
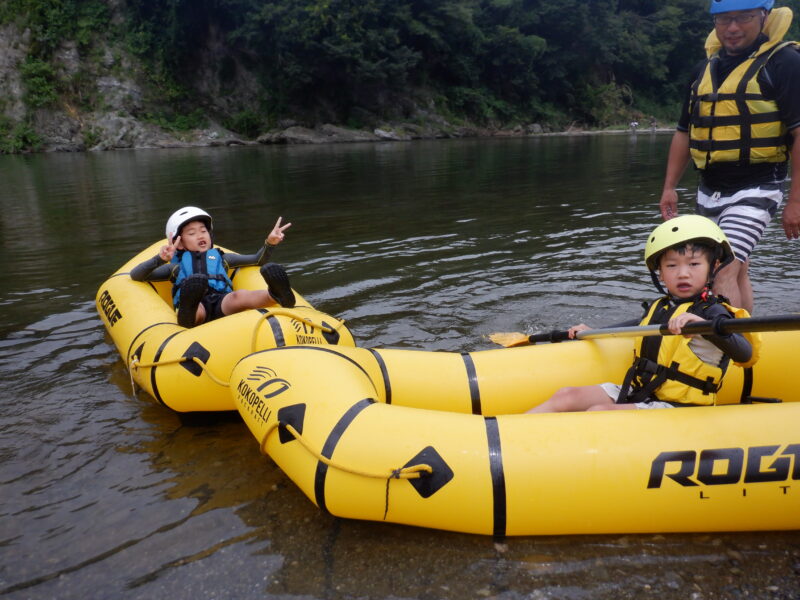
x=682, y=255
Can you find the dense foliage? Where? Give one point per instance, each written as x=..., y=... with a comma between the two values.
x=497, y=62
x=51, y=22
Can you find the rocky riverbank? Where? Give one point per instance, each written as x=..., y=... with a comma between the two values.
x=60, y=132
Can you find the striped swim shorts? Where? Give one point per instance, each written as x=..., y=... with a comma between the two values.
x=742, y=216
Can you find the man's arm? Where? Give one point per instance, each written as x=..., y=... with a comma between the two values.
x=791, y=211
x=677, y=162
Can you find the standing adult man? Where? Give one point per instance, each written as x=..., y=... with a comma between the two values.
x=740, y=125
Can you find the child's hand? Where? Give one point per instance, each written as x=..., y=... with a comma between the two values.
x=167, y=251
x=573, y=331
x=676, y=324
x=276, y=236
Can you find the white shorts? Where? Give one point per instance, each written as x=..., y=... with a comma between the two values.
x=613, y=390
x=742, y=216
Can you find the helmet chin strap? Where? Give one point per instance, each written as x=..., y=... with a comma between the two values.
x=721, y=264
x=657, y=283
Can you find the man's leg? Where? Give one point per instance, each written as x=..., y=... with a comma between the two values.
x=728, y=283
x=743, y=217
x=745, y=287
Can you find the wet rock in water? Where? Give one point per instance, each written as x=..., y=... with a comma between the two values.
x=734, y=555
x=295, y=134
x=324, y=134
x=385, y=134
x=672, y=580
x=334, y=133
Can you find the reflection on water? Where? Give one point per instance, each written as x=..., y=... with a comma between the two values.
x=430, y=245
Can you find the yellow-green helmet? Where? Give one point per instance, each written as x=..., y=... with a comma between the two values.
x=684, y=229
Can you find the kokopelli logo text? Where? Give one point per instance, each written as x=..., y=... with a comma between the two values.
x=260, y=385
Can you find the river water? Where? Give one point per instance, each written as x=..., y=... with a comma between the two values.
x=428, y=245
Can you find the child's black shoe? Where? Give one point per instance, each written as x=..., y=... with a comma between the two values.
x=278, y=282
x=193, y=289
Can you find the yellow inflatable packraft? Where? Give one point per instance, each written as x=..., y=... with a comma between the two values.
x=188, y=369
x=435, y=439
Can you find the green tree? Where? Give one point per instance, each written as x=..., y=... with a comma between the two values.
x=506, y=59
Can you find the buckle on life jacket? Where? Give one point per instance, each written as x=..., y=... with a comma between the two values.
x=641, y=380
x=645, y=366
x=646, y=376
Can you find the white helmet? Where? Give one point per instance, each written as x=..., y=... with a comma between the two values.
x=182, y=216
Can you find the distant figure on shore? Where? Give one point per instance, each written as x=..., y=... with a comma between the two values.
x=634, y=125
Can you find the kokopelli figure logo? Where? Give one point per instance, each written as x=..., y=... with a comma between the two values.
x=271, y=385
x=302, y=327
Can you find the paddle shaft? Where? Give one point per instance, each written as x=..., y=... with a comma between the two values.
x=723, y=327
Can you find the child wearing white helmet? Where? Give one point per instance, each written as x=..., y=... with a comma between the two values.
x=201, y=289
x=683, y=254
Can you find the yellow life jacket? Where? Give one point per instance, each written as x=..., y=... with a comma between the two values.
x=731, y=121
x=666, y=368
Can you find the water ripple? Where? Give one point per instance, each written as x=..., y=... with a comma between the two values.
x=430, y=245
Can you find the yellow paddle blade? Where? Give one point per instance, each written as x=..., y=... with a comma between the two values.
x=509, y=339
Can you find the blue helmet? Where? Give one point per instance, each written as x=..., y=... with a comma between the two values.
x=722, y=6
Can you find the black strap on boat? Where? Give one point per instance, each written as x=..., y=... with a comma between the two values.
x=472, y=380
x=747, y=390
x=387, y=384
x=330, y=445
x=496, y=468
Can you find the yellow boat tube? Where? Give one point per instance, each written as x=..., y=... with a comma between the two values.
x=435, y=439
x=188, y=369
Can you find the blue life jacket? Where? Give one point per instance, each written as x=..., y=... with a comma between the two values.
x=209, y=263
